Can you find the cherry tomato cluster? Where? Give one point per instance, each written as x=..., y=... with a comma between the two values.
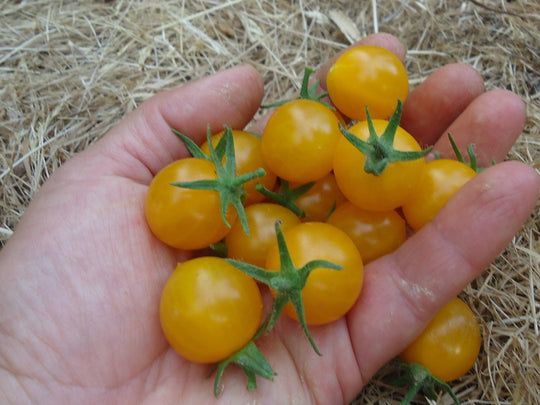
x=301, y=208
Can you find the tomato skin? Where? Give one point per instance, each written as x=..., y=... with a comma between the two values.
x=209, y=309
x=185, y=218
x=441, y=179
x=318, y=201
x=261, y=218
x=248, y=156
x=328, y=294
x=449, y=345
x=367, y=75
x=374, y=233
x=376, y=193
x=299, y=140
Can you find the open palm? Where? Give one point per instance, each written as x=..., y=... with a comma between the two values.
x=81, y=278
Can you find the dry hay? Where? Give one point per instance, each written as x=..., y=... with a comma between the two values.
x=71, y=69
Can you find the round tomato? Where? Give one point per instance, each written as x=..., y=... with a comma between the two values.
x=450, y=343
x=181, y=217
x=367, y=76
x=328, y=293
x=440, y=180
x=299, y=140
x=320, y=199
x=387, y=191
x=374, y=233
x=261, y=218
x=247, y=150
x=209, y=309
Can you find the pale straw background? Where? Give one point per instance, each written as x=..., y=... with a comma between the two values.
x=69, y=70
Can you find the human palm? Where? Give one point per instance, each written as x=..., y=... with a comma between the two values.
x=80, y=279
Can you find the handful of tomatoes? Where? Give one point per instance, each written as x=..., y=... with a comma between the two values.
x=301, y=208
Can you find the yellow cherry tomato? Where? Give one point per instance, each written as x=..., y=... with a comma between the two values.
x=181, y=217
x=328, y=293
x=374, y=233
x=441, y=179
x=209, y=309
x=367, y=76
x=450, y=343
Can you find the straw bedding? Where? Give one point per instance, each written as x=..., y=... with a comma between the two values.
x=69, y=70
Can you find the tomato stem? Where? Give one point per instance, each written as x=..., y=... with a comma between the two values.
x=252, y=362
x=229, y=186
x=288, y=283
x=379, y=150
x=306, y=92
x=286, y=196
x=473, y=163
x=418, y=377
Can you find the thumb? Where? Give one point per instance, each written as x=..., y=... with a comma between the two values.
x=143, y=143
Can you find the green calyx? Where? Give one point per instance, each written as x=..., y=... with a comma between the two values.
x=418, y=378
x=306, y=92
x=379, y=150
x=229, y=186
x=252, y=362
x=288, y=283
x=473, y=164
x=286, y=196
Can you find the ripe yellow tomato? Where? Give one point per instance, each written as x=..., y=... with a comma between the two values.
x=209, y=309
x=440, y=180
x=367, y=76
x=450, y=343
x=248, y=156
x=299, y=140
x=181, y=217
x=328, y=293
x=387, y=191
x=261, y=218
x=374, y=233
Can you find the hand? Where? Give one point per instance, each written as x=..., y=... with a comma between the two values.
x=81, y=278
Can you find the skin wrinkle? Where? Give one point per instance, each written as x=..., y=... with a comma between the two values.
x=357, y=371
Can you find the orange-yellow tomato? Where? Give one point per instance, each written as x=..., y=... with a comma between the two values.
x=181, y=217
x=367, y=76
x=441, y=179
x=320, y=199
x=209, y=309
x=393, y=187
x=450, y=343
x=261, y=218
x=328, y=294
x=299, y=140
x=248, y=156
x=374, y=233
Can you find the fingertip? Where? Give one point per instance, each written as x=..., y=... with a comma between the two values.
x=384, y=40
x=431, y=107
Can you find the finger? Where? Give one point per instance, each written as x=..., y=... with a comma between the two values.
x=404, y=290
x=431, y=107
x=143, y=143
x=492, y=122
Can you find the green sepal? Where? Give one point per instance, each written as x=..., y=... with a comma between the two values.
x=219, y=249
x=379, y=150
x=473, y=163
x=286, y=196
x=252, y=362
x=288, y=283
x=306, y=92
x=191, y=146
x=229, y=186
x=419, y=378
